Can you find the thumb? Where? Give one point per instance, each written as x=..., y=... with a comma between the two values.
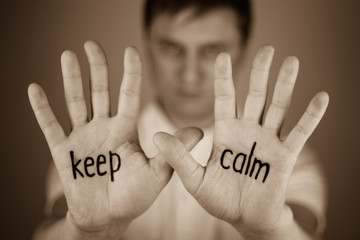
x=189, y=136
x=177, y=154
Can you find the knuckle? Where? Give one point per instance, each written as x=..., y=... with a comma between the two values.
x=129, y=92
x=277, y=103
x=75, y=98
x=257, y=93
x=224, y=97
x=49, y=124
x=301, y=130
x=99, y=88
x=41, y=105
x=312, y=114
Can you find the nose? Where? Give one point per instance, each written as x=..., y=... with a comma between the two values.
x=192, y=70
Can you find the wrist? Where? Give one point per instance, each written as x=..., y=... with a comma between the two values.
x=112, y=231
x=285, y=228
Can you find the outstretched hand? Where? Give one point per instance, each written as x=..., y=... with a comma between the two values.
x=246, y=177
x=107, y=179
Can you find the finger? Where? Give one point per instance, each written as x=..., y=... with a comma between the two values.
x=100, y=97
x=178, y=156
x=74, y=94
x=129, y=100
x=225, y=99
x=255, y=101
x=282, y=94
x=307, y=123
x=51, y=128
x=189, y=136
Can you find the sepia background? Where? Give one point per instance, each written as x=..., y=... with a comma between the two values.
x=323, y=34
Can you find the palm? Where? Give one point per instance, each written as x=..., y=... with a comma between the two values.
x=135, y=180
x=105, y=174
x=231, y=191
x=250, y=197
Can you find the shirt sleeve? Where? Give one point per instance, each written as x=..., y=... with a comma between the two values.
x=308, y=187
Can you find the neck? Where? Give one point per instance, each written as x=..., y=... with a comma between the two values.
x=181, y=121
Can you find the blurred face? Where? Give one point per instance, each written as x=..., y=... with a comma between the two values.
x=183, y=49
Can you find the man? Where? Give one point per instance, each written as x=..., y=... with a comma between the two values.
x=117, y=188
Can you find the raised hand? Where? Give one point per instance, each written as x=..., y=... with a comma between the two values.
x=245, y=180
x=107, y=179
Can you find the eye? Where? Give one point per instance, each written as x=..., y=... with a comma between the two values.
x=170, y=49
x=212, y=51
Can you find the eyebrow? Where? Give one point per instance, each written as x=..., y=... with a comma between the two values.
x=167, y=40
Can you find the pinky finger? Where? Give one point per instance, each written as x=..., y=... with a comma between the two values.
x=51, y=128
x=308, y=122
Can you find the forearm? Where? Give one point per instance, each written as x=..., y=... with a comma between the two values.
x=64, y=229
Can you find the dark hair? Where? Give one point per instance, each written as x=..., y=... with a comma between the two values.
x=242, y=9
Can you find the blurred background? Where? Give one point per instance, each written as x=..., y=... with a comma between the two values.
x=323, y=34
